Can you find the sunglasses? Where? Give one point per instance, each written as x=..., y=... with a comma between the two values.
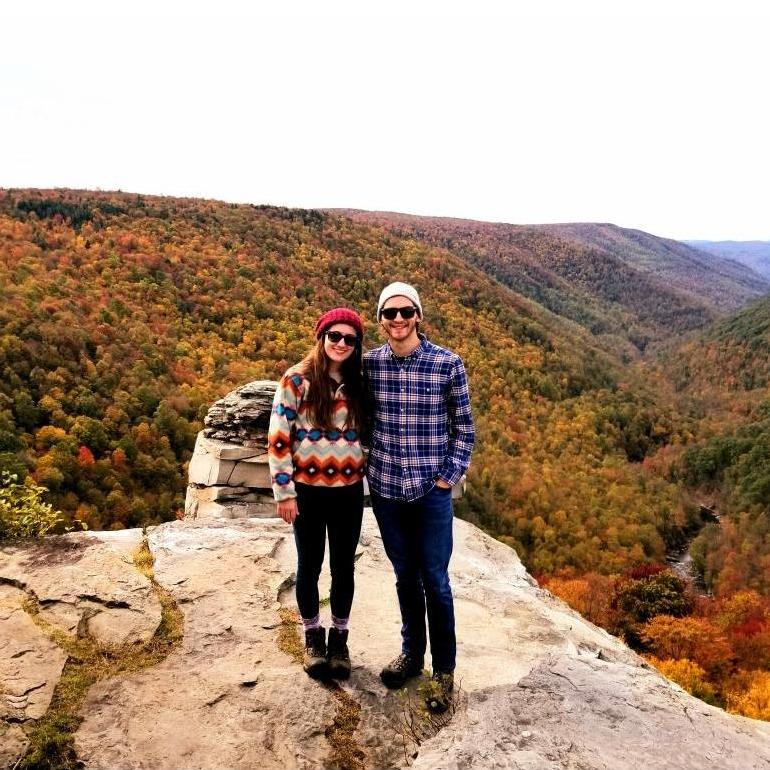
x=334, y=337
x=390, y=313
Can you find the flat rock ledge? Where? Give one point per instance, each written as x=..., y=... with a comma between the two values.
x=84, y=583
x=540, y=687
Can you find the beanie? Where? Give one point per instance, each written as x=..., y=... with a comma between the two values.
x=339, y=315
x=399, y=289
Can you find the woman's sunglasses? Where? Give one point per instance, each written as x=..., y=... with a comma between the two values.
x=390, y=313
x=334, y=337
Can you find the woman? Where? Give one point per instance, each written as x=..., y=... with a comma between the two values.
x=317, y=470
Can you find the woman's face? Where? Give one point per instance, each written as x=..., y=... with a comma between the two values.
x=339, y=351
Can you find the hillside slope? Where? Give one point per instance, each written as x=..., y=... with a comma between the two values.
x=124, y=317
x=621, y=285
x=722, y=375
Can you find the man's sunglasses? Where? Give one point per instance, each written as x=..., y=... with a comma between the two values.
x=390, y=313
x=334, y=337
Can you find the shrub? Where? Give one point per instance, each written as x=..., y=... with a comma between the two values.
x=752, y=697
x=23, y=513
x=692, y=638
x=659, y=594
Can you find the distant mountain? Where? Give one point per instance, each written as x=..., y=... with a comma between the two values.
x=755, y=254
x=720, y=282
x=621, y=285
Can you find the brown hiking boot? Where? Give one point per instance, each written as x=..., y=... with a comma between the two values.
x=439, y=697
x=404, y=667
x=337, y=654
x=314, y=657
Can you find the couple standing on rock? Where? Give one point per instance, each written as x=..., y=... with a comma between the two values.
x=411, y=399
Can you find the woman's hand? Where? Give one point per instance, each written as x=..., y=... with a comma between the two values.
x=287, y=510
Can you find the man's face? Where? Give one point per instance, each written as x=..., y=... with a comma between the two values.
x=399, y=328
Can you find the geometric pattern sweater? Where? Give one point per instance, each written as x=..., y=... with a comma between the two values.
x=300, y=451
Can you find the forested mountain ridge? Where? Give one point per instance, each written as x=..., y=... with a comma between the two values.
x=623, y=286
x=124, y=317
x=721, y=282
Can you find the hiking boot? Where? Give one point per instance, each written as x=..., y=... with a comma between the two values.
x=337, y=654
x=439, y=697
x=314, y=657
x=395, y=674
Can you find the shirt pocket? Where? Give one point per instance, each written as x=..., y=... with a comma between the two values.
x=431, y=398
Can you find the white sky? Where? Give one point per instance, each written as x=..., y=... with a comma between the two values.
x=657, y=119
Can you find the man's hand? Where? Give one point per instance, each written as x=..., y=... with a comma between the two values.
x=441, y=483
x=287, y=509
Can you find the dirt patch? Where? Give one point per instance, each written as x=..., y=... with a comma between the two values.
x=57, y=550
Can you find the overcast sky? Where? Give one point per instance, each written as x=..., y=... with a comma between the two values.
x=647, y=119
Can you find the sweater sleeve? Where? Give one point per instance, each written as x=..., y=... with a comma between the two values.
x=288, y=397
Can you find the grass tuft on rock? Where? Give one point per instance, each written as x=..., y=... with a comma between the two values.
x=289, y=640
x=144, y=560
x=344, y=752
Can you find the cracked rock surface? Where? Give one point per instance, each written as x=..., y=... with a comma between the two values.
x=540, y=687
x=87, y=582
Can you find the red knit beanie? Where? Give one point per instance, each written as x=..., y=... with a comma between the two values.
x=339, y=315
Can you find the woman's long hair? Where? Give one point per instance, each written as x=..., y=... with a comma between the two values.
x=320, y=397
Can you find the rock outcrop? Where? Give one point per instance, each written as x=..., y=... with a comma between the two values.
x=228, y=476
x=540, y=687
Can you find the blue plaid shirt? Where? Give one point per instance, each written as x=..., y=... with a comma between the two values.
x=422, y=427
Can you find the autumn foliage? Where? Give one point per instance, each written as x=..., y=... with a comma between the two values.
x=124, y=318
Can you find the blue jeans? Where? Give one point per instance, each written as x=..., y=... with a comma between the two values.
x=418, y=541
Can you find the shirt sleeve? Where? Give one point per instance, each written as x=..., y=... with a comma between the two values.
x=369, y=409
x=288, y=397
x=461, y=430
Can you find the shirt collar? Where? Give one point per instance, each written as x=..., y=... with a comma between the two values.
x=421, y=348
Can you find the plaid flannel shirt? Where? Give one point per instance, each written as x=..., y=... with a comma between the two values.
x=422, y=427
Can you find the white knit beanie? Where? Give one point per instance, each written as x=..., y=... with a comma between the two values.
x=399, y=289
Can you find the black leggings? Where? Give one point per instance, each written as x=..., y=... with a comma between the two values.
x=338, y=510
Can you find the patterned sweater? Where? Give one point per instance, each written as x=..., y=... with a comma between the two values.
x=300, y=451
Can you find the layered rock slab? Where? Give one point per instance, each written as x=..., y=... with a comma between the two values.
x=595, y=715
x=30, y=666
x=87, y=582
x=227, y=697
x=84, y=583
x=539, y=686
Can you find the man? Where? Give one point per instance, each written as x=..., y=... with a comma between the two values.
x=420, y=445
